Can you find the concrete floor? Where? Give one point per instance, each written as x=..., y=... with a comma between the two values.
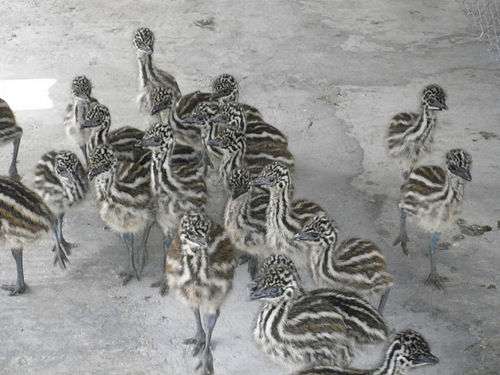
x=329, y=74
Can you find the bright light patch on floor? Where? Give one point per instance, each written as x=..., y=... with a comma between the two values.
x=27, y=94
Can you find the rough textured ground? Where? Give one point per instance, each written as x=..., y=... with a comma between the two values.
x=329, y=74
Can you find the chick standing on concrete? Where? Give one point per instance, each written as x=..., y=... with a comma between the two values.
x=245, y=218
x=175, y=188
x=164, y=109
x=322, y=327
x=225, y=89
x=232, y=145
x=123, y=197
x=62, y=182
x=10, y=132
x=122, y=140
x=76, y=113
x=202, y=119
x=354, y=265
x=410, y=134
x=200, y=269
x=264, y=143
x=433, y=197
x=149, y=75
x=284, y=218
x=406, y=351
x=24, y=217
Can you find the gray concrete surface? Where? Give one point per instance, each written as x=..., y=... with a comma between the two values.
x=330, y=74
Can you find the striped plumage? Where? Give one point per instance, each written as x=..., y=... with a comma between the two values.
x=201, y=118
x=407, y=350
x=123, y=197
x=285, y=218
x=175, y=188
x=433, y=198
x=122, y=140
x=354, y=265
x=225, y=89
x=24, y=217
x=165, y=110
x=233, y=114
x=245, y=218
x=75, y=115
x=10, y=132
x=409, y=136
x=322, y=327
x=149, y=75
x=199, y=270
x=232, y=145
x=61, y=181
x=264, y=143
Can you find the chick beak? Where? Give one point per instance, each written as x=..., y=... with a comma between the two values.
x=92, y=123
x=217, y=95
x=306, y=236
x=158, y=108
x=192, y=120
x=217, y=143
x=260, y=181
x=429, y=359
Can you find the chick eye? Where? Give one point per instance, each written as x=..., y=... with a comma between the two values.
x=274, y=290
x=156, y=139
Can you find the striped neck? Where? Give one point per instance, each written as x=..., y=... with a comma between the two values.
x=80, y=107
x=209, y=131
x=426, y=123
x=456, y=184
x=278, y=212
x=103, y=184
x=173, y=119
x=393, y=363
x=237, y=209
x=163, y=179
x=147, y=73
x=99, y=134
x=232, y=159
x=195, y=262
x=74, y=191
x=323, y=253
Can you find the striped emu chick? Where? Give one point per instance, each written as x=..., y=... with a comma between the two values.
x=124, y=199
x=199, y=270
x=433, y=198
x=285, y=218
x=149, y=75
x=406, y=351
x=76, y=113
x=187, y=135
x=202, y=118
x=265, y=143
x=300, y=329
x=62, y=182
x=10, y=132
x=233, y=114
x=354, y=265
x=24, y=217
x=232, y=145
x=122, y=140
x=245, y=218
x=409, y=137
x=175, y=188
x=225, y=89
